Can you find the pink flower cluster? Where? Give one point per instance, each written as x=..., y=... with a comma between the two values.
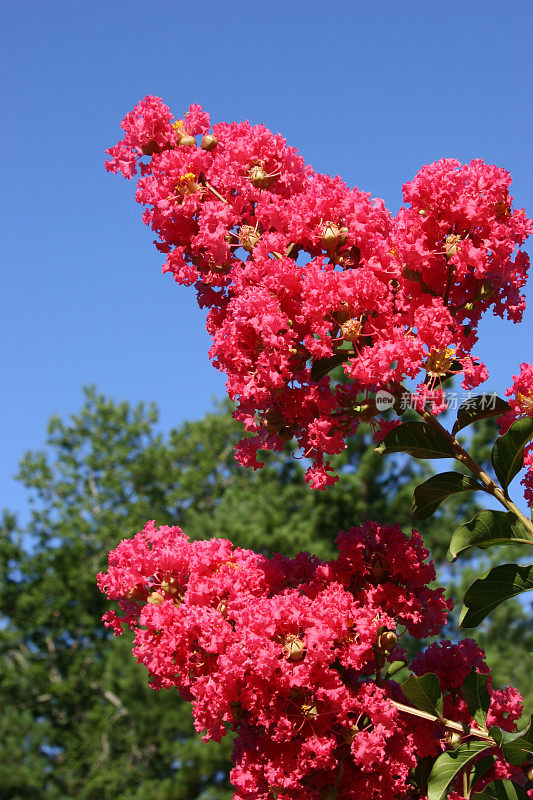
x=300, y=273
x=520, y=396
x=293, y=655
x=452, y=663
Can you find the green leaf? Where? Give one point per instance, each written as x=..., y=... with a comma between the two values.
x=479, y=407
x=418, y=439
x=487, y=529
x=420, y=774
x=508, y=451
x=496, y=734
x=496, y=586
x=325, y=365
x=430, y=494
x=424, y=692
x=395, y=667
x=449, y=764
x=502, y=790
x=477, y=698
x=518, y=747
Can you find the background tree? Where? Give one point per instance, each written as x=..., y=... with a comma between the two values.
x=79, y=720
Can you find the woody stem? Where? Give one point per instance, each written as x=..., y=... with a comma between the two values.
x=466, y=730
x=465, y=458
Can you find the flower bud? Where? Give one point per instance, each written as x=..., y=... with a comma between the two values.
x=528, y=772
x=333, y=236
x=170, y=585
x=156, y=598
x=377, y=569
x=351, y=330
x=451, y=245
x=452, y=739
x=187, y=140
x=294, y=649
x=222, y=608
x=248, y=237
x=209, y=142
x=387, y=641
x=260, y=178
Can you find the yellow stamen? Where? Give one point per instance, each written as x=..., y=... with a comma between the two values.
x=440, y=361
x=525, y=403
x=187, y=184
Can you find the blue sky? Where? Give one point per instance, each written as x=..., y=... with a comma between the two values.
x=370, y=91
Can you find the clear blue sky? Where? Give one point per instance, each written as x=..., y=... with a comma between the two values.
x=370, y=91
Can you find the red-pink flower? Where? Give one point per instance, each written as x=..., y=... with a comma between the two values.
x=300, y=273
x=520, y=396
x=289, y=652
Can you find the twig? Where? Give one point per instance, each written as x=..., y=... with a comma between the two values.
x=465, y=458
x=448, y=723
x=214, y=191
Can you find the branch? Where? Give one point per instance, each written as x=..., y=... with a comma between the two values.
x=465, y=458
x=466, y=730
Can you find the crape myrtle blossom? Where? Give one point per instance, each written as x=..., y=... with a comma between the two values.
x=520, y=396
x=292, y=654
x=299, y=273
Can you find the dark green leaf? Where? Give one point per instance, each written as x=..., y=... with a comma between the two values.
x=496, y=586
x=487, y=529
x=518, y=747
x=395, y=667
x=508, y=451
x=480, y=407
x=424, y=692
x=429, y=495
x=497, y=734
x=502, y=790
x=477, y=698
x=420, y=775
x=418, y=439
x=449, y=764
x=325, y=365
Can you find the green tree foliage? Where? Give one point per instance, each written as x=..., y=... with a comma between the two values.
x=79, y=720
